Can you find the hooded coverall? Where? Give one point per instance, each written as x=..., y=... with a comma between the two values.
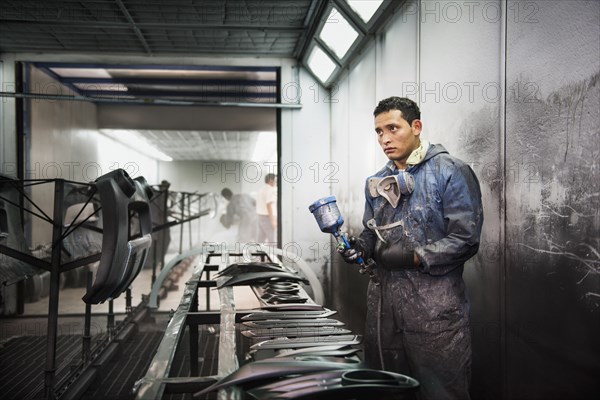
x=242, y=209
x=422, y=313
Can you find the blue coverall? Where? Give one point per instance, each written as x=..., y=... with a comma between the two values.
x=423, y=311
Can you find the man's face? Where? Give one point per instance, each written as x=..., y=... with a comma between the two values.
x=396, y=137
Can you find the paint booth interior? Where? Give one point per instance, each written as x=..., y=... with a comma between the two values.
x=126, y=271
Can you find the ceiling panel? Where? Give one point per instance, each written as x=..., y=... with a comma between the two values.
x=183, y=145
x=251, y=28
x=204, y=145
x=148, y=84
x=274, y=28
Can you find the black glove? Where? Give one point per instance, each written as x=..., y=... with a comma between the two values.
x=395, y=256
x=353, y=253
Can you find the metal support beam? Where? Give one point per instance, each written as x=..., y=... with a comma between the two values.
x=150, y=101
x=194, y=336
x=182, y=205
x=152, y=386
x=154, y=25
x=59, y=190
x=87, y=336
x=137, y=31
x=310, y=26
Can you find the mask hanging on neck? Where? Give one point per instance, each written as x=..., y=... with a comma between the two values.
x=392, y=187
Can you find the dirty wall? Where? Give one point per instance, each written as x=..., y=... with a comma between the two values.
x=512, y=88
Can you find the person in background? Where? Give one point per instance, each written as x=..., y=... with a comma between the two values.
x=422, y=221
x=241, y=210
x=266, y=208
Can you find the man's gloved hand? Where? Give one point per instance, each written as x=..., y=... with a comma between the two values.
x=395, y=256
x=353, y=253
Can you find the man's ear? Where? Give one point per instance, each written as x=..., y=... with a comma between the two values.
x=417, y=125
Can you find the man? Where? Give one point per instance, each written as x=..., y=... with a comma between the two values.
x=241, y=210
x=422, y=219
x=266, y=208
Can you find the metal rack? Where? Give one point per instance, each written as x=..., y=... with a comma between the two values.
x=56, y=265
x=292, y=337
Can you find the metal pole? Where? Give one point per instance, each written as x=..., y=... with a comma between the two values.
x=164, y=191
x=163, y=251
x=87, y=324
x=194, y=368
x=154, y=258
x=207, y=290
x=199, y=224
x=50, y=370
x=38, y=96
x=21, y=297
x=189, y=214
x=128, y=300
x=181, y=225
x=110, y=318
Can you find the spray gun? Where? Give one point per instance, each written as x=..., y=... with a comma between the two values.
x=330, y=220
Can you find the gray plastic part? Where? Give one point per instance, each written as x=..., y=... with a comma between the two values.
x=243, y=268
x=339, y=384
x=291, y=323
x=250, y=278
x=315, y=349
x=303, y=331
x=279, y=367
x=293, y=307
x=295, y=343
x=307, y=314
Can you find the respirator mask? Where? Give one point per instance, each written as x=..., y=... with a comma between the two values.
x=392, y=187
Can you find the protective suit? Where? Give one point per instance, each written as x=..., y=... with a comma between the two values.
x=241, y=210
x=422, y=313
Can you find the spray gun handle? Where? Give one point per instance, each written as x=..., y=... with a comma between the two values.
x=364, y=266
x=347, y=244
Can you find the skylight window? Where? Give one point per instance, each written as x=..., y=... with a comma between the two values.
x=365, y=8
x=320, y=64
x=342, y=28
x=337, y=33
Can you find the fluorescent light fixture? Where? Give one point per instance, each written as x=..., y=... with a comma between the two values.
x=337, y=33
x=265, y=148
x=135, y=141
x=81, y=72
x=365, y=8
x=320, y=64
x=102, y=86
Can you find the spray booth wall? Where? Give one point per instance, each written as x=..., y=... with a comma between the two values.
x=512, y=89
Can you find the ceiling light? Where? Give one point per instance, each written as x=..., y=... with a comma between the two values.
x=135, y=141
x=112, y=87
x=81, y=72
x=365, y=8
x=265, y=148
x=337, y=33
x=320, y=64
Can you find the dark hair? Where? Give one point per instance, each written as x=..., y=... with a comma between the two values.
x=410, y=109
x=270, y=177
x=227, y=193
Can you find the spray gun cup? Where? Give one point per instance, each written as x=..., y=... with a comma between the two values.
x=327, y=214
